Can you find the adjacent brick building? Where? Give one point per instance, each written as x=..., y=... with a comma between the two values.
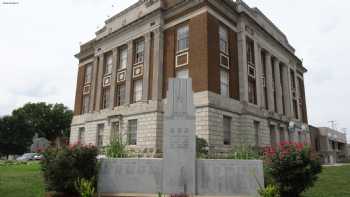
x=248, y=84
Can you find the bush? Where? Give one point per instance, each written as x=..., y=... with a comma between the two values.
x=63, y=167
x=293, y=168
x=269, y=191
x=85, y=187
x=201, y=147
x=244, y=152
x=116, y=149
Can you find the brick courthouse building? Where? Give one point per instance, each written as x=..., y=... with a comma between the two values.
x=248, y=84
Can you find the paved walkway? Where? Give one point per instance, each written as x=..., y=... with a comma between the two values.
x=336, y=164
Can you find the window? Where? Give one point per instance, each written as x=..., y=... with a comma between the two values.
x=281, y=67
x=273, y=138
x=292, y=78
x=224, y=83
x=282, y=136
x=99, y=140
x=114, y=131
x=223, y=40
x=108, y=64
x=300, y=137
x=227, y=130
x=88, y=74
x=257, y=135
x=250, y=51
x=86, y=104
x=182, y=74
x=295, y=109
x=132, y=132
x=120, y=94
x=139, y=51
x=105, y=98
x=252, y=91
x=81, y=136
x=137, y=90
x=123, y=57
x=182, y=38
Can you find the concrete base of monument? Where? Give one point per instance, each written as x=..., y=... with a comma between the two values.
x=144, y=177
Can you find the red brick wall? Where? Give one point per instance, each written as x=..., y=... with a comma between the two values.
x=79, y=91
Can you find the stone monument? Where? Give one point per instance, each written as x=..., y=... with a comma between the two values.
x=39, y=144
x=179, y=139
x=179, y=171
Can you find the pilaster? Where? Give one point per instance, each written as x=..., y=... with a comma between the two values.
x=93, y=87
x=287, y=91
x=114, y=78
x=258, y=74
x=243, y=65
x=278, y=87
x=157, y=86
x=269, y=83
x=99, y=83
x=146, y=66
x=129, y=68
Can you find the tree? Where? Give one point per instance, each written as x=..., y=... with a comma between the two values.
x=17, y=131
x=49, y=121
x=15, y=135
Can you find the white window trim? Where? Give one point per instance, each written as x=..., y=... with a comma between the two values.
x=228, y=61
x=176, y=59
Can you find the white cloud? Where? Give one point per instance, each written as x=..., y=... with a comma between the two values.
x=38, y=39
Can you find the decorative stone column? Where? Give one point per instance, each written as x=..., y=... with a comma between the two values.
x=146, y=66
x=99, y=83
x=269, y=83
x=278, y=87
x=287, y=91
x=157, y=86
x=242, y=62
x=114, y=78
x=258, y=74
x=128, y=77
x=93, y=87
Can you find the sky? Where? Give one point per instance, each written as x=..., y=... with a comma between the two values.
x=38, y=40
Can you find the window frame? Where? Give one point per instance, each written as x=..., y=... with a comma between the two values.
x=81, y=135
x=224, y=40
x=139, y=52
x=224, y=83
x=182, y=38
x=100, y=135
x=86, y=105
x=227, y=132
x=132, y=132
x=88, y=75
x=182, y=71
x=250, y=51
x=122, y=56
x=108, y=64
x=106, y=99
x=137, y=93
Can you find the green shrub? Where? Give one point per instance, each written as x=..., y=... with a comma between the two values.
x=293, y=168
x=116, y=149
x=269, y=191
x=85, y=187
x=62, y=167
x=244, y=152
x=201, y=147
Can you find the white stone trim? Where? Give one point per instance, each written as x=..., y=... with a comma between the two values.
x=186, y=17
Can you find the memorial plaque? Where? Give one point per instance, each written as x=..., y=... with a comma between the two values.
x=179, y=139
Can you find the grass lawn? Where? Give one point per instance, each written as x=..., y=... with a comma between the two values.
x=333, y=182
x=21, y=181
